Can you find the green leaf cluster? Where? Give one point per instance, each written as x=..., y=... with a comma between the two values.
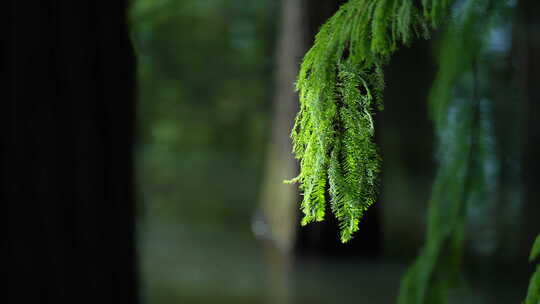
x=340, y=86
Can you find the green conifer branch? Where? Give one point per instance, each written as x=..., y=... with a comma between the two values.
x=436, y=273
x=340, y=85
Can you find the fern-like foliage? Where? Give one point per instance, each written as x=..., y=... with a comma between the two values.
x=436, y=274
x=533, y=294
x=340, y=86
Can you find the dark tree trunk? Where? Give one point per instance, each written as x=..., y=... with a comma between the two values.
x=67, y=153
x=528, y=59
x=405, y=133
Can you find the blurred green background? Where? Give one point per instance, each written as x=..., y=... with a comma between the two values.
x=205, y=86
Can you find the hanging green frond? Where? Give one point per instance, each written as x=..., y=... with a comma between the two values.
x=457, y=112
x=340, y=86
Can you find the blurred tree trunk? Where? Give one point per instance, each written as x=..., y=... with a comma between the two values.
x=279, y=200
x=67, y=153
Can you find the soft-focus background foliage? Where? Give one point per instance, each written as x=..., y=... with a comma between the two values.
x=205, y=88
x=207, y=81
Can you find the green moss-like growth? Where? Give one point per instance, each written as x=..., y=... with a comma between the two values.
x=340, y=85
